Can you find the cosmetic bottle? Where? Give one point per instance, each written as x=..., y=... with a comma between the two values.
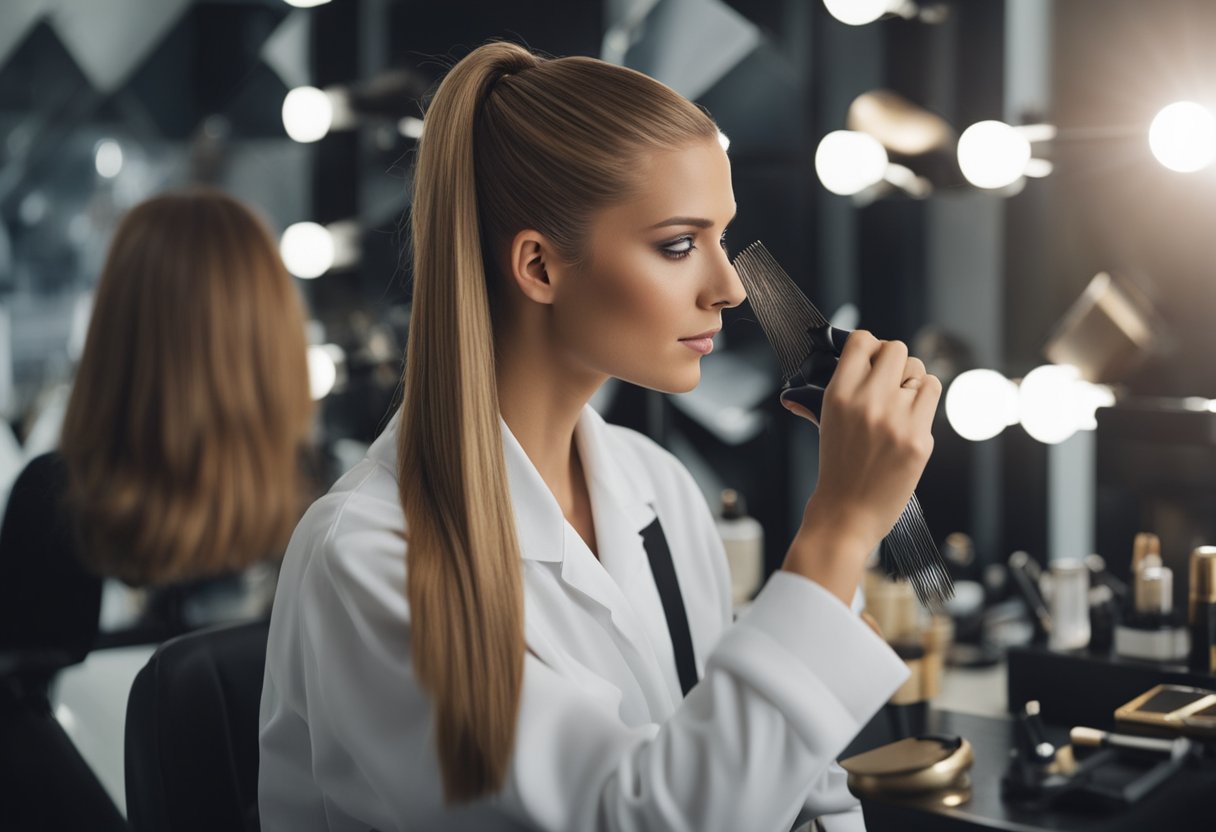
x=1069, y=605
x=1201, y=613
x=743, y=538
x=1152, y=630
x=1145, y=544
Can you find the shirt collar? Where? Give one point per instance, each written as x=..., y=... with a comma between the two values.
x=618, y=494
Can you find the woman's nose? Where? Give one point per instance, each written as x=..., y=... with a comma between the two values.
x=726, y=287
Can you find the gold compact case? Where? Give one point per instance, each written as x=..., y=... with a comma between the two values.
x=910, y=766
x=1170, y=710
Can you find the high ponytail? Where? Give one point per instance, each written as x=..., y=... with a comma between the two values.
x=511, y=141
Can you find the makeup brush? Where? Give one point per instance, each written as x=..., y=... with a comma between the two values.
x=808, y=348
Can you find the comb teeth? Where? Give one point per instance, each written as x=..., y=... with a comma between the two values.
x=909, y=552
x=786, y=315
x=784, y=311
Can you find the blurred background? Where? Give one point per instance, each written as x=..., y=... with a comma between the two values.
x=1020, y=189
x=848, y=127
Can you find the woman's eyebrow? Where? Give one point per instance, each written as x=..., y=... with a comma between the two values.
x=699, y=222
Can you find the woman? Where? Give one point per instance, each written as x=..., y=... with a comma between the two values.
x=467, y=632
x=180, y=453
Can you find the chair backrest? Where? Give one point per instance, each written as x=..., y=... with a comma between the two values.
x=192, y=733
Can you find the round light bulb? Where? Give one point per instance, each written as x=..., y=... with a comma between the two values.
x=307, y=249
x=857, y=12
x=322, y=372
x=1183, y=137
x=306, y=4
x=1050, y=401
x=107, y=158
x=848, y=162
x=307, y=114
x=980, y=404
x=992, y=154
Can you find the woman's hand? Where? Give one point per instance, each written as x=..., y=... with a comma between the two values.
x=875, y=438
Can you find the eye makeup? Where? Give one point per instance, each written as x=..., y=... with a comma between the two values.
x=687, y=239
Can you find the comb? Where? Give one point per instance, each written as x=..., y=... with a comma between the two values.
x=808, y=348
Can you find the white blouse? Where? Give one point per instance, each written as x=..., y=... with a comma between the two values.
x=605, y=740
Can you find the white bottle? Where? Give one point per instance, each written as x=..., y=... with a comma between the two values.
x=743, y=537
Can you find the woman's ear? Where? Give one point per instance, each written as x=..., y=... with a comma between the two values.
x=531, y=268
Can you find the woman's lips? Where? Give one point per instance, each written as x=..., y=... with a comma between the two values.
x=701, y=345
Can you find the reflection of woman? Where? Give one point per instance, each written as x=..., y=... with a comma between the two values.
x=179, y=458
x=517, y=668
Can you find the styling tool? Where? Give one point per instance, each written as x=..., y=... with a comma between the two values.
x=808, y=348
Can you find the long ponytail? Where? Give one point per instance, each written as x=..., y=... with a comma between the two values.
x=511, y=141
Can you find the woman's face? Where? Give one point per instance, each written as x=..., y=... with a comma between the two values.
x=655, y=273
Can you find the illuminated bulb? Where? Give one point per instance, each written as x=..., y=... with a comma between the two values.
x=980, y=404
x=305, y=4
x=322, y=371
x=307, y=249
x=1055, y=402
x=860, y=12
x=848, y=162
x=410, y=127
x=307, y=114
x=992, y=154
x=1183, y=137
x=107, y=158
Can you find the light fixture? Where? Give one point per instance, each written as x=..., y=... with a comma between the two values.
x=107, y=158
x=993, y=154
x=410, y=127
x=305, y=4
x=1109, y=331
x=308, y=114
x=322, y=371
x=1183, y=137
x=861, y=12
x=981, y=403
x=1055, y=402
x=848, y=162
x=901, y=126
x=309, y=250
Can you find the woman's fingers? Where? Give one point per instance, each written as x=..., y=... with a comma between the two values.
x=924, y=405
x=889, y=364
x=855, y=361
x=914, y=374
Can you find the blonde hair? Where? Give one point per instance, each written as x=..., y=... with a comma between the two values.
x=191, y=405
x=511, y=141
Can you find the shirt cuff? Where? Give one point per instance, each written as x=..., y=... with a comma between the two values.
x=827, y=649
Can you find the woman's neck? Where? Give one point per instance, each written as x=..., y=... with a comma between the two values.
x=541, y=398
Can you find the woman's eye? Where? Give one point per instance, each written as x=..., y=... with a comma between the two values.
x=684, y=246
x=678, y=249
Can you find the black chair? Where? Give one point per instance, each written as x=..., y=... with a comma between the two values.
x=44, y=781
x=192, y=733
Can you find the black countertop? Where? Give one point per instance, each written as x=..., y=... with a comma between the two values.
x=1185, y=802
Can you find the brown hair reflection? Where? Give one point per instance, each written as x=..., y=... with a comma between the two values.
x=191, y=404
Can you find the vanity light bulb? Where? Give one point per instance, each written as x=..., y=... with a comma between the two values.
x=307, y=249
x=1050, y=402
x=991, y=154
x=322, y=372
x=307, y=114
x=1183, y=137
x=980, y=404
x=848, y=162
x=858, y=12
